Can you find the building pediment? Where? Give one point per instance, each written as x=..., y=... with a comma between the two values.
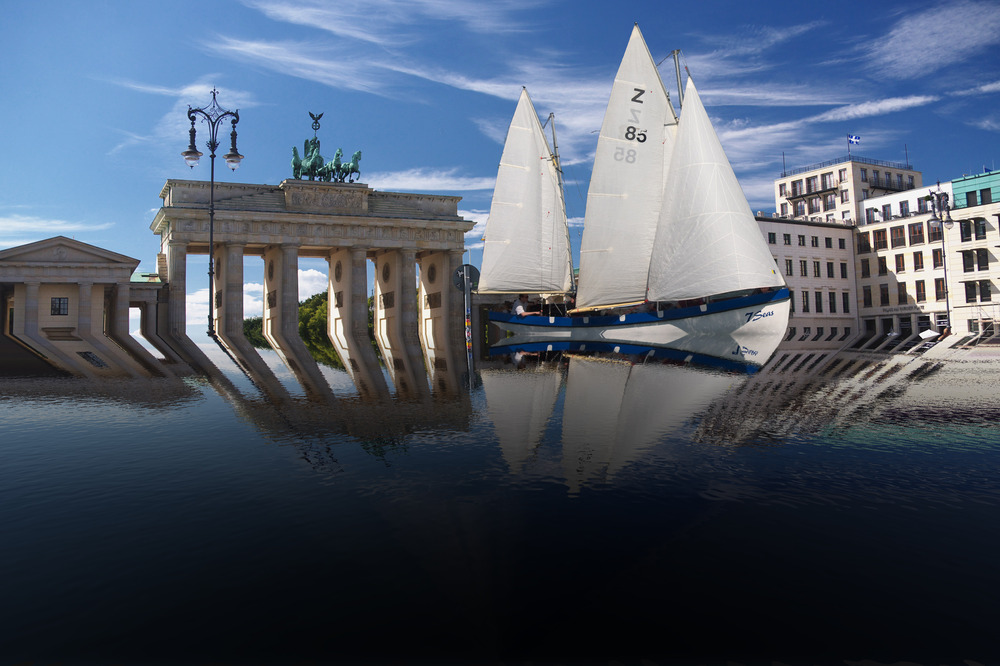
x=61, y=258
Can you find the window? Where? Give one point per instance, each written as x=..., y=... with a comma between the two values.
x=812, y=184
x=985, y=196
x=805, y=301
x=887, y=212
x=845, y=302
x=60, y=306
x=864, y=194
x=829, y=242
x=983, y=259
x=864, y=175
x=833, y=334
x=909, y=183
x=816, y=269
x=904, y=208
x=847, y=333
x=791, y=303
x=819, y=334
x=970, y=198
x=866, y=296
x=916, y=233
x=800, y=208
x=864, y=242
x=772, y=238
x=966, y=228
x=937, y=258
x=827, y=180
x=883, y=268
x=921, y=205
x=900, y=263
x=843, y=270
x=833, y=301
x=796, y=188
x=980, y=227
x=802, y=240
x=784, y=210
x=842, y=175
x=819, y=301
x=875, y=177
x=985, y=291
x=898, y=236
x=918, y=261
x=899, y=181
x=939, y=290
x=829, y=201
x=845, y=196
x=787, y=238
x=968, y=261
x=806, y=332
x=788, y=267
x=829, y=269
x=921, y=291
x=866, y=269
x=883, y=294
x=781, y=189
x=970, y=292
x=870, y=214
x=842, y=244
x=815, y=241
x=803, y=268
x=901, y=293
x=881, y=242
x=933, y=232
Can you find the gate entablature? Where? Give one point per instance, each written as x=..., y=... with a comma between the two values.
x=317, y=216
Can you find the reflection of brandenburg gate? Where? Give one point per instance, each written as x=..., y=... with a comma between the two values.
x=414, y=240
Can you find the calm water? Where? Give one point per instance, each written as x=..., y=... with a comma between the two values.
x=572, y=511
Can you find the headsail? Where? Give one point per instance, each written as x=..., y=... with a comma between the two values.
x=626, y=185
x=707, y=241
x=527, y=239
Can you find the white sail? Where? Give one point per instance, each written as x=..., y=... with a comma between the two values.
x=623, y=202
x=520, y=405
x=707, y=241
x=527, y=238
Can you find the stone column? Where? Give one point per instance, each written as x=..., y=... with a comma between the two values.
x=119, y=333
x=409, y=320
x=177, y=288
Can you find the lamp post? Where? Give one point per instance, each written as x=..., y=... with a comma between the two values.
x=941, y=215
x=213, y=114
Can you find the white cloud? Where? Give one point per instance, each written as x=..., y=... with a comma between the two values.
x=428, y=180
x=924, y=42
x=474, y=236
x=874, y=108
x=21, y=229
x=311, y=282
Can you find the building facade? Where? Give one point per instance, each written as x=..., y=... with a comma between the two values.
x=835, y=191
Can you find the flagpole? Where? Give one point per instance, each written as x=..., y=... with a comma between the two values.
x=848, y=147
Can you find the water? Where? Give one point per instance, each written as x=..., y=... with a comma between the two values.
x=568, y=512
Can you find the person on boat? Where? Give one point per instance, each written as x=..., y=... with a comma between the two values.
x=520, y=307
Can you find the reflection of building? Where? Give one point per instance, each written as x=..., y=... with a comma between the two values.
x=836, y=190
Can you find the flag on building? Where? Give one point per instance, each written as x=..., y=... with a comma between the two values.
x=853, y=138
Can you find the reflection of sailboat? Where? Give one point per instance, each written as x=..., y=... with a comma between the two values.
x=666, y=224
x=616, y=410
x=527, y=239
x=520, y=405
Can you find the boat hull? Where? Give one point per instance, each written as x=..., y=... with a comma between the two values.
x=747, y=320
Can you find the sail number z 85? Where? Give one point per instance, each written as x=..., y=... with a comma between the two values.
x=632, y=132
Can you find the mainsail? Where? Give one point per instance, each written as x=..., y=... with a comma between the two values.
x=626, y=186
x=707, y=241
x=527, y=246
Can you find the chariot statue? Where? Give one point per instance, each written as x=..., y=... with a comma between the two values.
x=310, y=164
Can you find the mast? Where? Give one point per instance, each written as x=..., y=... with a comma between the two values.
x=555, y=151
x=676, y=53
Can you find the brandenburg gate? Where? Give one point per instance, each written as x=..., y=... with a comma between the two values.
x=414, y=240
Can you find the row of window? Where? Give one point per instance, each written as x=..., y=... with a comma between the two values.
x=887, y=181
x=882, y=239
x=937, y=260
x=816, y=268
x=985, y=196
x=817, y=299
x=772, y=239
x=976, y=291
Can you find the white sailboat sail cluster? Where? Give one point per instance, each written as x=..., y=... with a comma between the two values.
x=527, y=247
x=666, y=222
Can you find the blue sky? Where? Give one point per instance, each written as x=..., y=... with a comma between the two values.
x=96, y=93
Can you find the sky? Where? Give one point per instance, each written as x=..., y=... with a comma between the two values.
x=96, y=94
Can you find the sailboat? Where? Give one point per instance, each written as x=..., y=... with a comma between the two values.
x=670, y=245
x=527, y=249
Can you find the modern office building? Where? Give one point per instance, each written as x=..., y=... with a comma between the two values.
x=835, y=191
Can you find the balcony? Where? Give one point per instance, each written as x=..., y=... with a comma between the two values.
x=819, y=191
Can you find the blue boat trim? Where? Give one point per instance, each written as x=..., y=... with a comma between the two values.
x=753, y=300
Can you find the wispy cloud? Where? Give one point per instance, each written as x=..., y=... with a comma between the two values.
x=925, y=42
x=429, y=180
x=984, y=89
x=20, y=229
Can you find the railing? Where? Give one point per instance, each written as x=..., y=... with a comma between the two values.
x=847, y=158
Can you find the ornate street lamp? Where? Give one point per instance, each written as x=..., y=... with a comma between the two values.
x=213, y=114
x=941, y=215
